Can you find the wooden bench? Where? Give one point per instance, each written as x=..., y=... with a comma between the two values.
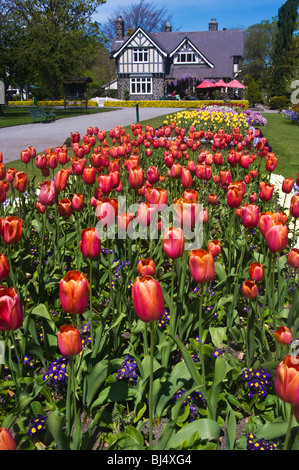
x=39, y=114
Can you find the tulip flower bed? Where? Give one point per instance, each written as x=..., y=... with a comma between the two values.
x=149, y=292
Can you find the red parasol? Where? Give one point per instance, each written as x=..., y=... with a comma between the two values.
x=221, y=83
x=206, y=84
x=235, y=84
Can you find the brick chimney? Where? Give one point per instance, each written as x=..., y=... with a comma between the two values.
x=213, y=25
x=120, y=28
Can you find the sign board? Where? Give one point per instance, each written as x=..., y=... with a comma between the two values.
x=2, y=93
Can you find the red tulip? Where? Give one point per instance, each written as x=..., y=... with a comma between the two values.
x=146, y=267
x=7, y=442
x=48, y=193
x=186, y=211
x=60, y=179
x=41, y=161
x=256, y=271
x=294, y=206
x=136, y=177
x=173, y=242
x=286, y=382
x=20, y=181
x=11, y=311
x=10, y=174
x=12, y=228
x=250, y=215
x=78, y=202
x=4, y=267
x=40, y=208
x=266, y=192
x=69, y=340
x=277, y=237
x=145, y=213
x=287, y=185
x=78, y=166
x=90, y=243
x=25, y=156
x=234, y=195
x=212, y=199
x=152, y=174
x=249, y=289
x=52, y=160
x=293, y=258
x=148, y=299
x=3, y=191
x=283, y=335
x=2, y=171
x=187, y=180
x=74, y=292
x=89, y=175
x=105, y=183
x=65, y=207
x=202, y=265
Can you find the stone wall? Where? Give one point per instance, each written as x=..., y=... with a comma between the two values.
x=123, y=84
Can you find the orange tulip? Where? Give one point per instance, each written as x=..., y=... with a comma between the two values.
x=60, y=179
x=277, y=237
x=256, y=271
x=7, y=442
x=20, y=181
x=293, y=258
x=214, y=247
x=294, y=206
x=202, y=265
x=287, y=185
x=136, y=177
x=249, y=289
x=286, y=382
x=4, y=267
x=69, y=341
x=74, y=292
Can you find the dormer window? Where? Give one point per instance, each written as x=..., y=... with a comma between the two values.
x=140, y=54
x=186, y=58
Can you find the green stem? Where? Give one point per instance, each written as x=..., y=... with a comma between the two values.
x=286, y=442
x=90, y=304
x=151, y=418
x=200, y=334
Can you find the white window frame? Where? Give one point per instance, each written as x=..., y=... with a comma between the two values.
x=141, y=85
x=180, y=56
x=140, y=55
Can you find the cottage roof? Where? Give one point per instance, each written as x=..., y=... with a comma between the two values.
x=218, y=47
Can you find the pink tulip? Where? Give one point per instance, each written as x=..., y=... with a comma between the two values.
x=11, y=311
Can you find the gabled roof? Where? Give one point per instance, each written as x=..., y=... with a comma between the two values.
x=193, y=47
x=128, y=39
x=216, y=47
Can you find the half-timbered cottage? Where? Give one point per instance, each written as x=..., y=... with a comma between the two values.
x=145, y=62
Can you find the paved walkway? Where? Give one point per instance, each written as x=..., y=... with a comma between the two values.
x=48, y=135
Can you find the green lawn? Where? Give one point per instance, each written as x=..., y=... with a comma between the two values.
x=14, y=116
x=283, y=137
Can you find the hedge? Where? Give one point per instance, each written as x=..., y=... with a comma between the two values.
x=176, y=103
x=51, y=103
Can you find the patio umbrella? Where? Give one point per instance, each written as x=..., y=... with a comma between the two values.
x=235, y=84
x=206, y=84
x=221, y=83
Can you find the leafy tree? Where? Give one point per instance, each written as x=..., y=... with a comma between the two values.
x=286, y=25
x=144, y=14
x=58, y=39
x=258, y=51
x=253, y=93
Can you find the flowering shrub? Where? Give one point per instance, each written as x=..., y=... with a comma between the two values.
x=174, y=103
x=150, y=276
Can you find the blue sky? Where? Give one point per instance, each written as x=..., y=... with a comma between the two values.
x=194, y=15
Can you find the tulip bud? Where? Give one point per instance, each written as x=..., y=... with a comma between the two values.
x=146, y=267
x=214, y=247
x=293, y=258
x=256, y=271
x=69, y=341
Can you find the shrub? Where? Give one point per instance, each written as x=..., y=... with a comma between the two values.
x=279, y=102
